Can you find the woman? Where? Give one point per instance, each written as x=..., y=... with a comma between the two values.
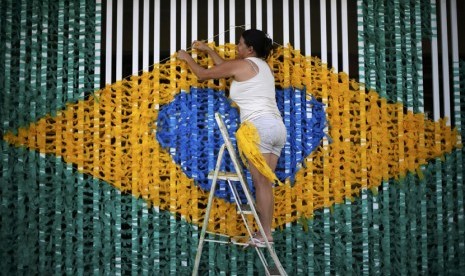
x=253, y=90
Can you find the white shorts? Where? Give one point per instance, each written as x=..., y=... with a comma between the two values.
x=272, y=133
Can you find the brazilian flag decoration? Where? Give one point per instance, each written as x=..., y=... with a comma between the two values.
x=114, y=181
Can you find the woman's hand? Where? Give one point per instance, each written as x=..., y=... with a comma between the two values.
x=201, y=46
x=183, y=55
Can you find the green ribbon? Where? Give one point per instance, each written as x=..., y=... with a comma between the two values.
x=386, y=224
x=460, y=161
x=424, y=220
x=439, y=233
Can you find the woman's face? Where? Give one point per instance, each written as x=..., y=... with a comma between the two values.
x=242, y=49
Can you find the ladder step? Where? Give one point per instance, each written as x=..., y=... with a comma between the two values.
x=240, y=240
x=224, y=176
x=246, y=210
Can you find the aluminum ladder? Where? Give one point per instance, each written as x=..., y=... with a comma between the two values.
x=242, y=209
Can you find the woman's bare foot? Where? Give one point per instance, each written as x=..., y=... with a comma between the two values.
x=258, y=236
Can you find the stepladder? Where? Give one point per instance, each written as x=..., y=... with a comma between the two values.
x=247, y=210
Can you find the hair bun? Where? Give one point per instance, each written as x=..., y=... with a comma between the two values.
x=260, y=41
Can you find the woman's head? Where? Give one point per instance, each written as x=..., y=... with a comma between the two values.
x=258, y=41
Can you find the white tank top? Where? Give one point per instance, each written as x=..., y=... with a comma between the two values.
x=256, y=96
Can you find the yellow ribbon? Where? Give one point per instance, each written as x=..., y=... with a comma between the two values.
x=247, y=142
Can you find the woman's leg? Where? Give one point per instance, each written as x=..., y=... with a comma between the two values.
x=264, y=194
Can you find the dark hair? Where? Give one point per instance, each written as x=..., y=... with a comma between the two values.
x=260, y=41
